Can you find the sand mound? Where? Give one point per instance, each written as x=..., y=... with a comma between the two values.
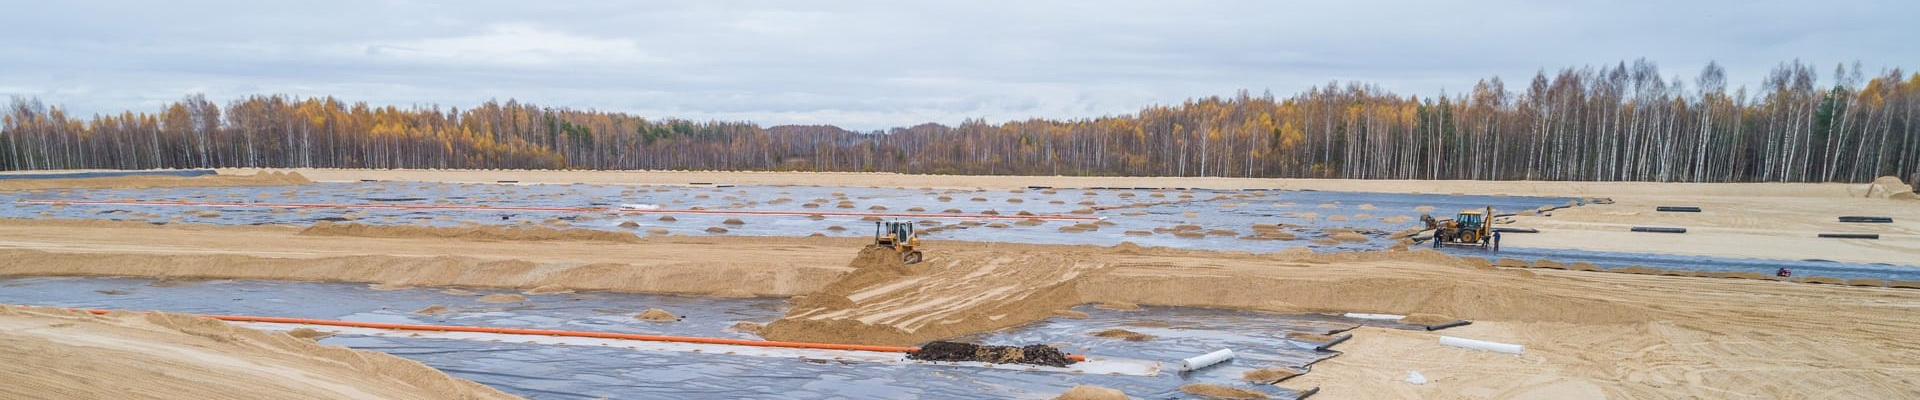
x=747, y=327
x=1221, y=392
x=668, y=218
x=1117, y=306
x=1427, y=319
x=549, y=289
x=1085, y=392
x=1123, y=334
x=1071, y=314
x=431, y=310
x=1269, y=375
x=531, y=233
x=629, y=224
x=1309, y=337
x=656, y=315
x=54, y=353
x=307, y=333
x=716, y=229
x=657, y=231
x=1888, y=186
x=502, y=298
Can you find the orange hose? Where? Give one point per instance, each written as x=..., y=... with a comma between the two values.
x=550, y=332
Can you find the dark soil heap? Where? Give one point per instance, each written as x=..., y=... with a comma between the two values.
x=1038, y=354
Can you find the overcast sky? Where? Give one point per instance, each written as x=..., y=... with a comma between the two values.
x=871, y=65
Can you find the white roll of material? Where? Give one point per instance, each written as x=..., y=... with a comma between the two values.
x=1206, y=360
x=1482, y=345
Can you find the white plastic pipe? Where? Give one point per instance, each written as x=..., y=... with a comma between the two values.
x=1482, y=345
x=1206, y=360
x=1374, y=316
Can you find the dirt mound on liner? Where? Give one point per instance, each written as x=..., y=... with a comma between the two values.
x=531, y=233
x=502, y=298
x=1269, y=375
x=1037, y=354
x=1221, y=392
x=1086, y=392
x=1123, y=334
x=656, y=315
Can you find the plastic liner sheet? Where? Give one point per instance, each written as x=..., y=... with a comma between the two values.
x=1306, y=212
x=550, y=371
x=1613, y=260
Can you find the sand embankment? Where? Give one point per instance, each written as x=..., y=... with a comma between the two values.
x=54, y=353
x=250, y=178
x=858, y=179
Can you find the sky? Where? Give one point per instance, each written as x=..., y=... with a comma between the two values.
x=868, y=65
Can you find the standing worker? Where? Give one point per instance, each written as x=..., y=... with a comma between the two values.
x=1496, y=241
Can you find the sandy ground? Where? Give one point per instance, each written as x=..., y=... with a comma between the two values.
x=1734, y=226
x=55, y=354
x=1588, y=334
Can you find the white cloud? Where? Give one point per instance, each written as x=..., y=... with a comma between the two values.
x=513, y=44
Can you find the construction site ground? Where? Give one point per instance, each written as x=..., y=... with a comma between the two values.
x=1587, y=333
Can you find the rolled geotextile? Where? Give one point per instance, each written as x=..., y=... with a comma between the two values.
x=1881, y=220
x=1657, y=229
x=1448, y=325
x=1851, y=235
x=1496, y=347
x=1206, y=360
x=1677, y=209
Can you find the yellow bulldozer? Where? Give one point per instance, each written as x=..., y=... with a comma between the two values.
x=899, y=237
x=1470, y=228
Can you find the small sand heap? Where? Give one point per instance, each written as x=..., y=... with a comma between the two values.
x=747, y=327
x=656, y=315
x=502, y=298
x=1221, y=392
x=1085, y=392
x=1427, y=319
x=307, y=333
x=1123, y=334
x=1269, y=375
x=431, y=310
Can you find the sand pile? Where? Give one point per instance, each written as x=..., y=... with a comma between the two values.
x=1123, y=334
x=747, y=327
x=1888, y=187
x=1269, y=375
x=432, y=310
x=502, y=298
x=63, y=354
x=1085, y=392
x=1221, y=392
x=656, y=315
x=1427, y=319
x=885, y=302
x=308, y=333
x=531, y=233
x=1037, y=354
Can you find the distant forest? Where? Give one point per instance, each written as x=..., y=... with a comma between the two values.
x=1623, y=122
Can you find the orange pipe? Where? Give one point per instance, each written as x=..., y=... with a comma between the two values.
x=551, y=332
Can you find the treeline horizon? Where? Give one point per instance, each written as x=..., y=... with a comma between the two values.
x=1620, y=122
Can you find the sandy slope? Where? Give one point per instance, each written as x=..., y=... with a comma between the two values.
x=251, y=178
x=59, y=354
